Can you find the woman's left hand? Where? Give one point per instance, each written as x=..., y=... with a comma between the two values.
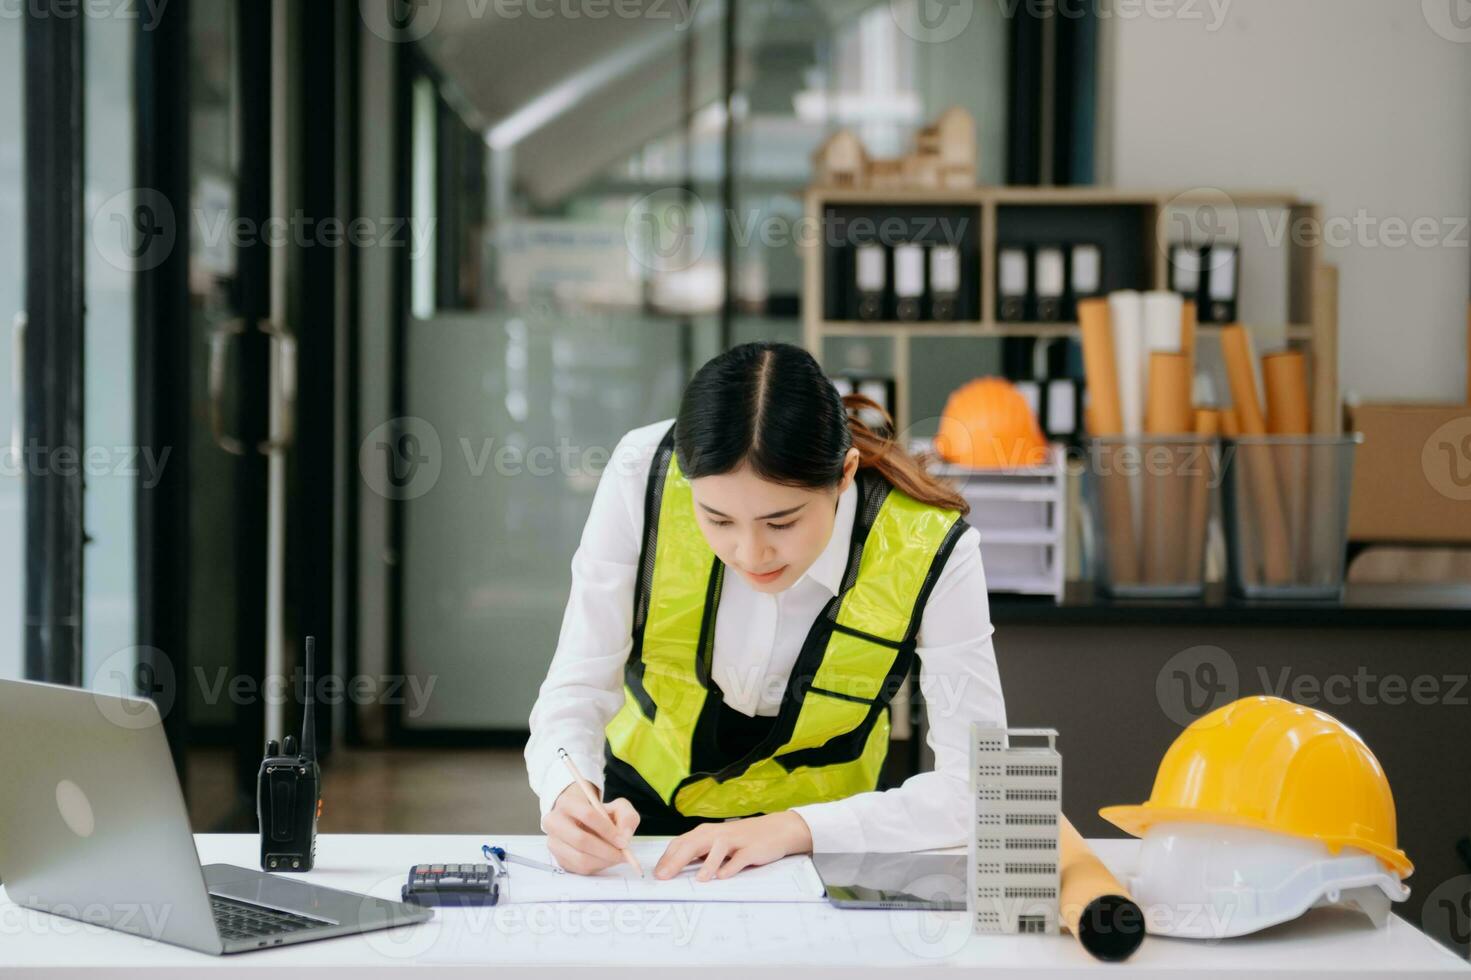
x=729, y=846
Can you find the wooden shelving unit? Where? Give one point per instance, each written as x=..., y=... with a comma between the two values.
x=1312, y=285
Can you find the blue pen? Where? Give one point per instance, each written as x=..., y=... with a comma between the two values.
x=499, y=856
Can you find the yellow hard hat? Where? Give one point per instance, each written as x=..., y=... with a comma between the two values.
x=987, y=424
x=1270, y=764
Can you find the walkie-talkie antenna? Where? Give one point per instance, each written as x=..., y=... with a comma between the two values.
x=308, y=712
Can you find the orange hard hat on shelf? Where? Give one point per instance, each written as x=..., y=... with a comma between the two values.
x=989, y=425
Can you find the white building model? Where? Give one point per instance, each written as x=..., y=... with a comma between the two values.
x=1016, y=785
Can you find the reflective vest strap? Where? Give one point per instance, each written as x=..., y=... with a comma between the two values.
x=633, y=671
x=904, y=541
x=880, y=614
x=657, y=751
x=841, y=628
x=665, y=660
x=679, y=584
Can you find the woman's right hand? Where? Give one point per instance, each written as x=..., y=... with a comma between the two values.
x=584, y=838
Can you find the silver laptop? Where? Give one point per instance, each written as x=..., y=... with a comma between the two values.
x=93, y=827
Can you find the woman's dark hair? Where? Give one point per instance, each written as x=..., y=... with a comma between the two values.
x=769, y=406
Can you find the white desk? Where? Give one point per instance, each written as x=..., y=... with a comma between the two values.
x=636, y=939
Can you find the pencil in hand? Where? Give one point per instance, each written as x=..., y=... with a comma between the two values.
x=597, y=805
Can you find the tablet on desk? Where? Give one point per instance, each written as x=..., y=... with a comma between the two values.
x=894, y=881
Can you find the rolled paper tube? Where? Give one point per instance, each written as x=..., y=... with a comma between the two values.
x=1230, y=424
x=1266, y=491
x=1207, y=426
x=1231, y=429
x=1169, y=414
x=1093, y=906
x=1101, y=366
x=1126, y=316
x=1189, y=320
x=1154, y=531
x=1236, y=350
x=1285, y=376
x=1104, y=420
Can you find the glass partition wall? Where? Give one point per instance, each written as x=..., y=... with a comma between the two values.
x=109, y=591
x=642, y=210
x=108, y=460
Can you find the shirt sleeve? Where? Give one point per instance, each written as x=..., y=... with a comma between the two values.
x=961, y=685
x=584, y=685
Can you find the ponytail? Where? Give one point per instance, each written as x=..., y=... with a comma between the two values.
x=894, y=463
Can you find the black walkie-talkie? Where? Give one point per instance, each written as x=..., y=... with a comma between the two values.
x=288, y=797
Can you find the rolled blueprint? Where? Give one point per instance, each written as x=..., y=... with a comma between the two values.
x=1169, y=413
x=1126, y=316
x=1207, y=425
x=1105, y=419
x=1285, y=377
x=1257, y=461
x=1094, y=907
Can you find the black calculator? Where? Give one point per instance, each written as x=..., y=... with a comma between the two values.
x=452, y=885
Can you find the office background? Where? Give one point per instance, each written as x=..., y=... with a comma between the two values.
x=387, y=434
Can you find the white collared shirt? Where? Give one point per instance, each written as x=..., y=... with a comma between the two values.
x=757, y=639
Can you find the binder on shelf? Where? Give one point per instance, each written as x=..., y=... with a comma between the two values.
x=870, y=277
x=944, y=281
x=1061, y=419
x=1221, y=275
x=1050, y=268
x=1085, y=274
x=1186, y=262
x=1013, y=283
x=908, y=281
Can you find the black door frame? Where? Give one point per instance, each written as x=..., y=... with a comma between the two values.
x=312, y=510
x=251, y=398
x=161, y=383
x=408, y=65
x=347, y=549
x=54, y=388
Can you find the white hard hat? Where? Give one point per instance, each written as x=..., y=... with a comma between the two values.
x=1213, y=881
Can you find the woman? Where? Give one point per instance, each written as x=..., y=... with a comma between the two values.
x=753, y=584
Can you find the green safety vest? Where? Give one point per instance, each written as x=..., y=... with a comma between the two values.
x=831, y=734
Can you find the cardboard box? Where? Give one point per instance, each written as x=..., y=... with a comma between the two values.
x=1412, y=477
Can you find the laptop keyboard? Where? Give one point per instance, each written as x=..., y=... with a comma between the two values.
x=241, y=920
